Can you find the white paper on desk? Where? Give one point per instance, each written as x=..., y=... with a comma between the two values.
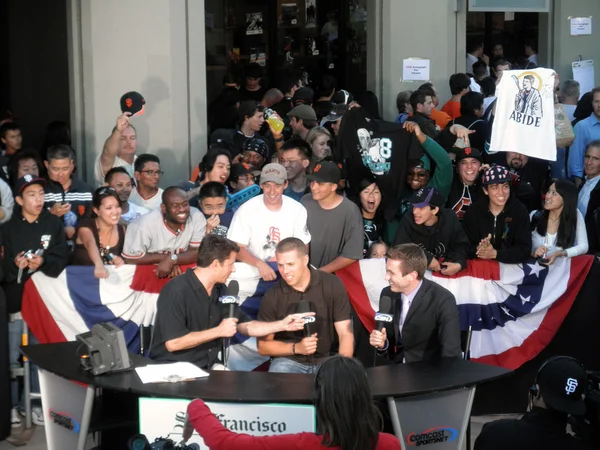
x=173, y=372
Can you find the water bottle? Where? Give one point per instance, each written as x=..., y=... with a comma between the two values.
x=275, y=122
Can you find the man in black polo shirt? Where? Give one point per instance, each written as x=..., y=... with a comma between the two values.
x=327, y=298
x=190, y=320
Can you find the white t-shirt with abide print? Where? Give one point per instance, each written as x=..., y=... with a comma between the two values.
x=524, y=117
x=260, y=229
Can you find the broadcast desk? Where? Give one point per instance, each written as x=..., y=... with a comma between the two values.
x=428, y=402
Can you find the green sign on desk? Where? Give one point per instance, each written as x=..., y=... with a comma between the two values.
x=509, y=5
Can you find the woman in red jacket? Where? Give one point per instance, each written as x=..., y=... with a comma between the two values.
x=347, y=419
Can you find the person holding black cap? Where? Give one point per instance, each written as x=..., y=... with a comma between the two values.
x=466, y=186
x=498, y=226
x=302, y=119
x=557, y=392
x=335, y=223
x=436, y=230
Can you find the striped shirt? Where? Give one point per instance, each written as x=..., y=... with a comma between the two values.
x=79, y=196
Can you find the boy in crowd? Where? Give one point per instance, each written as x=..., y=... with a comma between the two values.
x=240, y=177
x=498, y=225
x=213, y=200
x=32, y=240
x=147, y=175
x=334, y=222
x=119, y=179
x=10, y=135
x=295, y=156
x=436, y=230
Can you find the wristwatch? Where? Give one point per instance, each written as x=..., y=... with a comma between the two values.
x=174, y=257
x=293, y=349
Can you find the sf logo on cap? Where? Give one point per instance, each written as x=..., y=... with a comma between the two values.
x=28, y=178
x=571, y=385
x=129, y=102
x=317, y=167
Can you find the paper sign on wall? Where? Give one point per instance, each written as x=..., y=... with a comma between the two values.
x=581, y=26
x=583, y=72
x=416, y=69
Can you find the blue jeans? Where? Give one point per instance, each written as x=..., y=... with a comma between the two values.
x=15, y=330
x=286, y=365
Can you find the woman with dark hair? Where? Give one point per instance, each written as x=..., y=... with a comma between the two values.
x=24, y=162
x=369, y=201
x=100, y=239
x=558, y=230
x=347, y=418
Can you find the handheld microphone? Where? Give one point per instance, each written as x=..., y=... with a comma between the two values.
x=231, y=297
x=303, y=308
x=383, y=316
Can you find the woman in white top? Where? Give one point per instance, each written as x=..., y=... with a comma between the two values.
x=558, y=229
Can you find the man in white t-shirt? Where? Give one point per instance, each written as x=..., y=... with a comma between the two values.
x=147, y=175
x=169, y=236
x=119, y=149
x=262, y=222
x=118, y=179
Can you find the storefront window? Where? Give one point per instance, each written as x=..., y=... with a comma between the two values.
x=314, y=36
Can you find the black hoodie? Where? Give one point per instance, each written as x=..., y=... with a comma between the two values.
x=445, y=240
x=18, y=235
x=461, y=196
x=510, y=230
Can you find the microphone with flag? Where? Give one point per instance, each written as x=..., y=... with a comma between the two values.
x=382, y=317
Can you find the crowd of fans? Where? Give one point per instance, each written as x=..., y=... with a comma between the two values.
x=305, y=182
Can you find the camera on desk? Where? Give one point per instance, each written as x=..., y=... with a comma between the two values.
x=140, y=442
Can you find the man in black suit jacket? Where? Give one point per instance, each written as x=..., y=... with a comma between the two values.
x=425, y=325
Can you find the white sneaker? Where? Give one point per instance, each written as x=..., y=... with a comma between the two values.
x=37, y=415
x=15, y=420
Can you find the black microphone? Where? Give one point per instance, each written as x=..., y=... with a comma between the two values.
x=231, y=297
x=384, y=315
x=303, y=308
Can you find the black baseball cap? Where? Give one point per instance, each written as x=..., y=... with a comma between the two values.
x=256, y=145
x=26, y=181
x=326, y=172
x=222, y=137
x=304, y=95
x=239, y=169
x=562, y=382
x=132, y=102
x=427, y=196
x=336, y=113
x=467, y=152
x=342, y=97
